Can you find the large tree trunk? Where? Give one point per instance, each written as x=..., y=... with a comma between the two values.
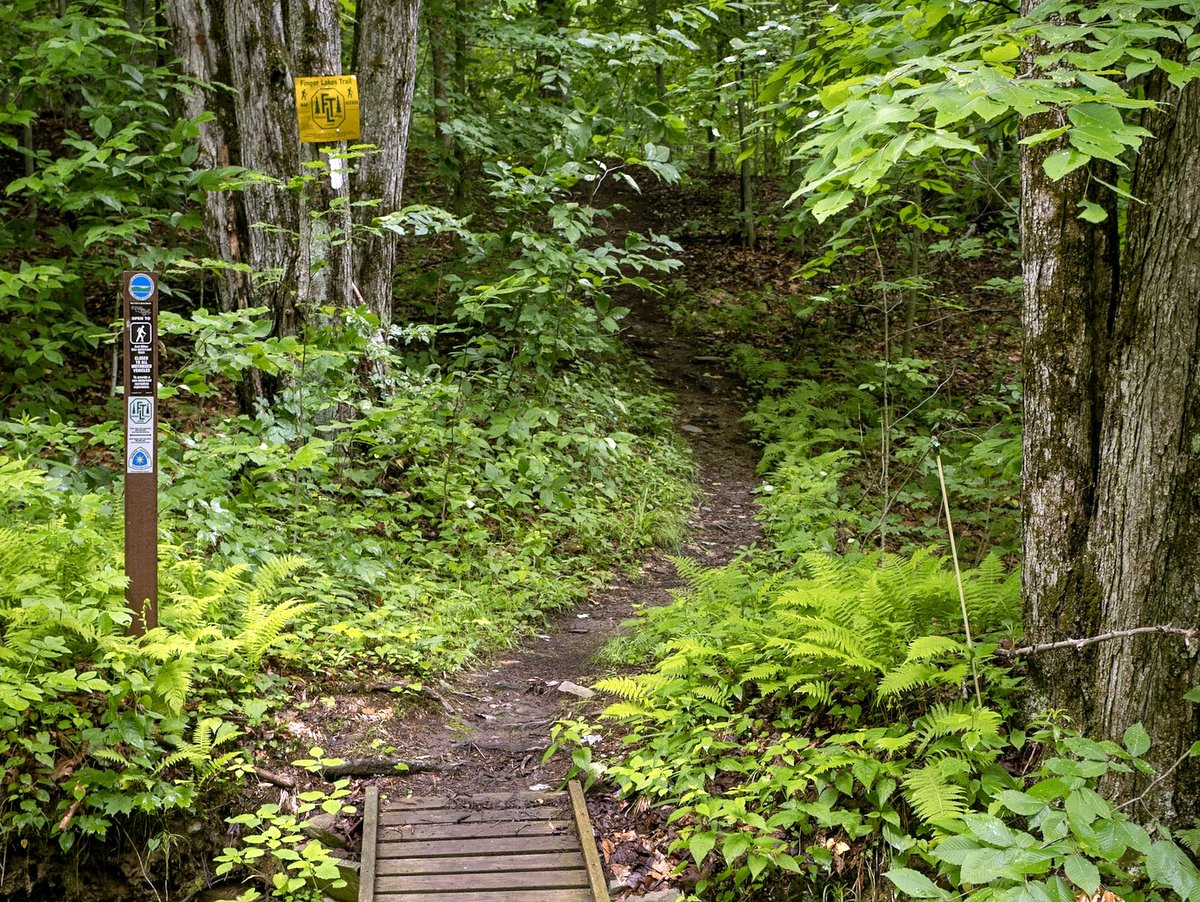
x=1112, y=413
x=1146, y=534
x=257, y=49
x=264, y=106
x=323, y=271
x=1070, y=276
x=385, y=60
x=211, y=40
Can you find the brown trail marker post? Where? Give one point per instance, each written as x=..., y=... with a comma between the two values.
x=140, y=292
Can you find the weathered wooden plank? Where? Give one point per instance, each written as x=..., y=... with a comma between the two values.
x=510, y=895
x=491, y=798
x=587, y=839
x=479, y=829
x=499, y=845
x=392, y=818
x=481, y=864
x=432, y=883
x=366, y=873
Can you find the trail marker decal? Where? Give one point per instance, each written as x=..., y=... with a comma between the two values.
x=327, y=108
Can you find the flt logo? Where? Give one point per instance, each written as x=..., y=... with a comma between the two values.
x=328, y=109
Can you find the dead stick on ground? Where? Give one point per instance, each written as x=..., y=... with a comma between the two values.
x=281, y=780
x=1189, y=636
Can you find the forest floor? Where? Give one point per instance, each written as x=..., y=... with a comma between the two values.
x=488, y=728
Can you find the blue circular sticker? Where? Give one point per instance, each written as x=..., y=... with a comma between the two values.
x=141, y=286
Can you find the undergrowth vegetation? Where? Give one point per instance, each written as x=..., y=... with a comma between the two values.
x=825, y=716
x=441, y=520
x=392, y=506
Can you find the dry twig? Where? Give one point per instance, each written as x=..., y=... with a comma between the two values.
x=1189, y=636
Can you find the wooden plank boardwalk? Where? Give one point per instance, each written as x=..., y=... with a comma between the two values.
x=491, y=847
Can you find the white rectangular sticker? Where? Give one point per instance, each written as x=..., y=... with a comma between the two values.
x=139, y=426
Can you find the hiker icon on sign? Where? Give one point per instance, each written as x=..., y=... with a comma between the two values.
x=139, y=333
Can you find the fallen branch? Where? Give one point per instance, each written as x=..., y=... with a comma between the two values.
x=384, y=767
x=1189, y=636
x=281, y=780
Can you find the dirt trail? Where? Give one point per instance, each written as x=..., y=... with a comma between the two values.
x=487, y=728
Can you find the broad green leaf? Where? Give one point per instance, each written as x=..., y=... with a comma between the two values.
x=829, y=204
x=735, y=847
x=990, y=829
x=915, y=884
x=1136, y=740
x=1001, y=54
x=757, y=864
x=1064, y=161
x=700, y=845
x=1092, y=212
x=1048, y=135
x=1168, y=866
x=1020, y=802
x=1082, y=873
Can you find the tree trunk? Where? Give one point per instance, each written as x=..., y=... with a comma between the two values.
x=1112, y=443
x=660, y=80
x=746, y=184
x=264, y=107
x=439, y=83
x=385, y=60
x=461, y=162
x=323, y=271
x=1146, y=535
x=201, y=40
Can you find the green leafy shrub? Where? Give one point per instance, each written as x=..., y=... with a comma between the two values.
x=789, y=707
x=107, y=186
x=1053, y=837
x=95, y=724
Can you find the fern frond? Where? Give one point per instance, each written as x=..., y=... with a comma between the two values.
x=934, y=798
x=926, y=648
x=958, y=717
x=263, y=631
x=639, y=688
x=173, y=683
x=905, y=678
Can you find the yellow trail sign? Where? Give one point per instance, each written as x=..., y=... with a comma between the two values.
x=327, y=108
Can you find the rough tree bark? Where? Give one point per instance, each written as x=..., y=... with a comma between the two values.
x=1146, y=533
x=324, y=266
x=385, y=61
x=256, y=49
x=1112, y=444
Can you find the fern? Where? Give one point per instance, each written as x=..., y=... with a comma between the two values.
x=201, y=752
x=639, y=688
x=957, y=718
x=935, y=799
x=173, y=682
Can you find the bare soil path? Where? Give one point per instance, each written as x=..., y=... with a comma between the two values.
x=486, y=729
